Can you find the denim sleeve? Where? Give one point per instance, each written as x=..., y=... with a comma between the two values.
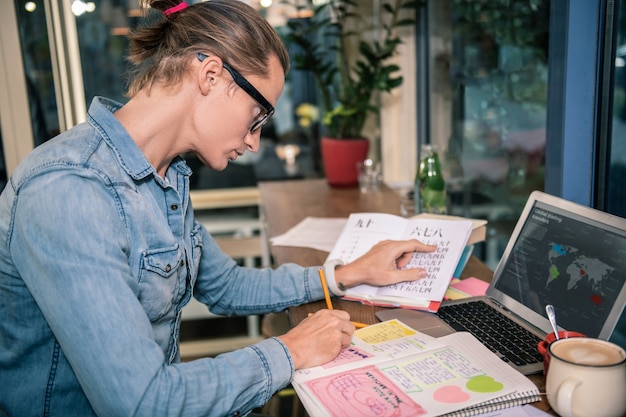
x=70, y=243
x=232, y=290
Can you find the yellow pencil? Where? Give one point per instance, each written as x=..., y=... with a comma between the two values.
x=329, y=304
x=356, y=323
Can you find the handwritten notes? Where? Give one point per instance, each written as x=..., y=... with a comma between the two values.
x=364, y=392
x=393, y=370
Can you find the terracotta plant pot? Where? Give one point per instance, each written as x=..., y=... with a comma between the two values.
x=340, y=157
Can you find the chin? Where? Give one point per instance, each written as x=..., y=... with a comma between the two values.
x=221, y=167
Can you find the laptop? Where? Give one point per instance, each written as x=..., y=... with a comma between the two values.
x=560, y=253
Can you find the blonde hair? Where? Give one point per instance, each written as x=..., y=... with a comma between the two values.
x=229, y=29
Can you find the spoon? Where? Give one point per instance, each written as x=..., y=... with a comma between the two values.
x=552, y=318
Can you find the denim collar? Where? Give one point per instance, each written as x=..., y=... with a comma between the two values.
x=131, y=158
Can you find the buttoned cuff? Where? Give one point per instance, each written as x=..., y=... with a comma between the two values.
x=329, y=271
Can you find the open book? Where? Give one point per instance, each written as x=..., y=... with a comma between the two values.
x=479, y=226
x=364, y=230
x=392, y=370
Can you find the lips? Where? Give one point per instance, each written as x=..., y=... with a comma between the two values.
x=236, y=155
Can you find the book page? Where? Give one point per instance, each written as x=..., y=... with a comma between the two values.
x=319, y=233
x=364, y=230
x=361, y=232
x=450, y=238
x=443, y=375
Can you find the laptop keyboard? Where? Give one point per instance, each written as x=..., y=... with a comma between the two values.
x=515, y=343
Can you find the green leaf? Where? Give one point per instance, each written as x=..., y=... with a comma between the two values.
x=347, y=79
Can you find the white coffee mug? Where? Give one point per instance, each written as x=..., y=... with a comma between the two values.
x=587, y=378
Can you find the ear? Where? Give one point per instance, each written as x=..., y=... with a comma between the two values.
x=208, y=73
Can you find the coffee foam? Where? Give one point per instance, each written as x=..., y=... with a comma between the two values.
x=588, y=352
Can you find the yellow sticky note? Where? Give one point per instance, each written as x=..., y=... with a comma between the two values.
x=383, y=332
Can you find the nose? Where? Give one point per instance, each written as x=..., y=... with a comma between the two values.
x=253, y=140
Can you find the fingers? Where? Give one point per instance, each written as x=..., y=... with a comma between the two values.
x=325, y=313
x=409, y=245
x=406, y=254
x=383, y=264
x=399, y=250
x=346, y=340
x=412, y=274
x=319, y=338
x=404, y=260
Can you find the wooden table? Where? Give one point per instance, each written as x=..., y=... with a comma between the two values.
x=285, y=203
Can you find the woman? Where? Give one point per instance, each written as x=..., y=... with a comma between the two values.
x=101, y=250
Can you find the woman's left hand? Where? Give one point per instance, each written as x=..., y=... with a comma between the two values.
x=383, y=264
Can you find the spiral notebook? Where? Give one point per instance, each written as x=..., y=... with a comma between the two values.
x=392, y=369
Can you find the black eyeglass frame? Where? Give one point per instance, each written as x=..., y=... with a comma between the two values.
x=251, y=91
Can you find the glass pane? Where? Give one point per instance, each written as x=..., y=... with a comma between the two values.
x=101, y=36
x=103, y=47
x=38, y=68
x=488, y=93
x=616, y=201
x=101, y=26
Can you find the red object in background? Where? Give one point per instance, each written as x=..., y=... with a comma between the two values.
x=339, y=157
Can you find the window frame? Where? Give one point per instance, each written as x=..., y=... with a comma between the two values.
x=573, y=85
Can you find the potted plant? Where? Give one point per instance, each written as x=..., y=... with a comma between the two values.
x=349, y=65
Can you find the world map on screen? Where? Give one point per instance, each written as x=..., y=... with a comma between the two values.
x=568, y=263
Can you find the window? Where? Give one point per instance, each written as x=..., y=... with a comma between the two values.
x=485, y=91
x=464, y=70
x=38, y=71
x=90, y=60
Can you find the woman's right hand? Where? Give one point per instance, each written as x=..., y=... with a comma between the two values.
x=319, y=338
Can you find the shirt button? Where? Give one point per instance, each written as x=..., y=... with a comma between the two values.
x=237, y=414
x=168, y=268
x=182, y=262
x=174, y=206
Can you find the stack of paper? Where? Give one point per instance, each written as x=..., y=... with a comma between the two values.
x=313, y=232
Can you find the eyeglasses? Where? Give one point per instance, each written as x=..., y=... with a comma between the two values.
x=245, y=85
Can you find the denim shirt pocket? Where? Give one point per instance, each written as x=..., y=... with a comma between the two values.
x=160, y=281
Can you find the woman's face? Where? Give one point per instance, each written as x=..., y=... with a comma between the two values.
x=224, y=118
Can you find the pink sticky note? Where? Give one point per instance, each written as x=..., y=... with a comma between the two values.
x=471, y=286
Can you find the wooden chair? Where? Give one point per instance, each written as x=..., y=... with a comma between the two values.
x=243, y=238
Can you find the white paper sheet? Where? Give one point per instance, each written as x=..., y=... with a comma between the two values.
x=319, y=233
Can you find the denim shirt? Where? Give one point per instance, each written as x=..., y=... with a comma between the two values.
x=98, y=255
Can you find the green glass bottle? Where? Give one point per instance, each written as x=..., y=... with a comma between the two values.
x=430, y=186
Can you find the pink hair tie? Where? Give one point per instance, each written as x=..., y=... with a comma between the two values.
x=180, y=6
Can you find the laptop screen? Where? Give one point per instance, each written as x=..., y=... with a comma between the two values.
x=569, y=260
